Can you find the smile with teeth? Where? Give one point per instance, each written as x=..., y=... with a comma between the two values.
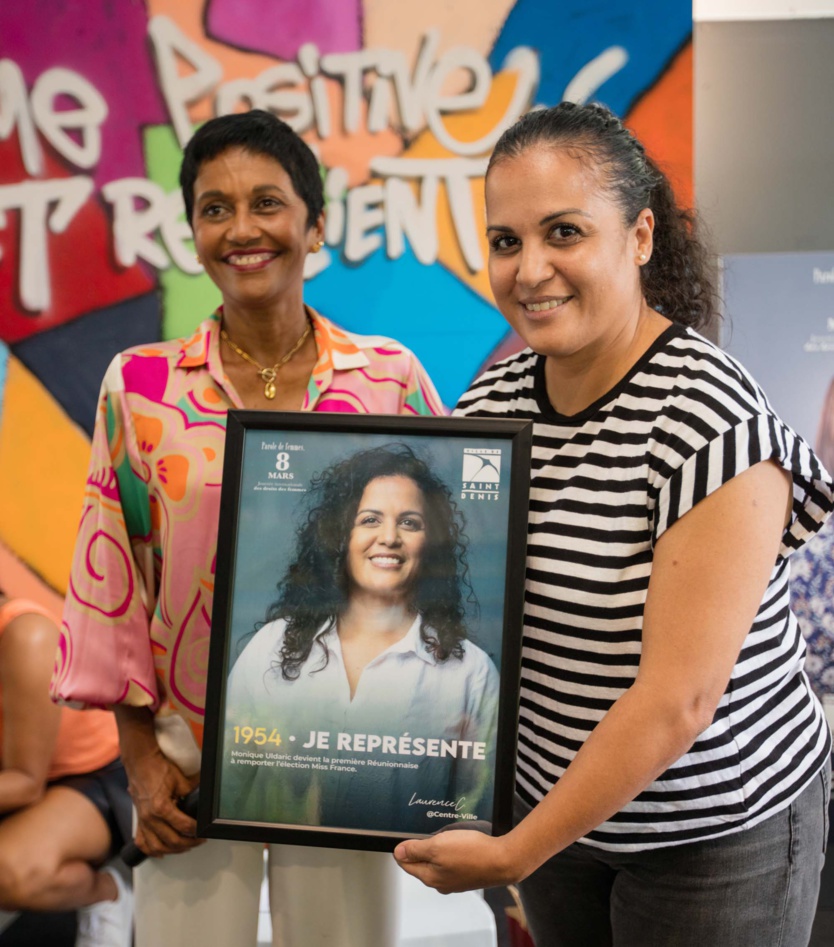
x=248, y=259
x=549, y=304
x=386, y=562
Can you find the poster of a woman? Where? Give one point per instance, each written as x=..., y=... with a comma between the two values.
x=362, y=695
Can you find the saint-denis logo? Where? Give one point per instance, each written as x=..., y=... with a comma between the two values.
x=481, y=473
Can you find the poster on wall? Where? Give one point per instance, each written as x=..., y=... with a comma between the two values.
x=779, y=322
x=365, y=647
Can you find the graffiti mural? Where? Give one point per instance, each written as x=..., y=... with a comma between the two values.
x=401, y=103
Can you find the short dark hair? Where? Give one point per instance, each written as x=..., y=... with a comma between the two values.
x=679, y=280
x=260, y=133
x=315, y=588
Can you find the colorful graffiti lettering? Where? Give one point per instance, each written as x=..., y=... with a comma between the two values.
x=402, y=105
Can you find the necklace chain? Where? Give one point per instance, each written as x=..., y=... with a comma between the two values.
x=268, y=375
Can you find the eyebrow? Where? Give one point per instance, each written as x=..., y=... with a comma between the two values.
x=367, y=509
x=545, y=220
x=562, y=213
x=259, y=189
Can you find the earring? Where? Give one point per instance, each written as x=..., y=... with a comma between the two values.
x=317, y=246
x=642, y=258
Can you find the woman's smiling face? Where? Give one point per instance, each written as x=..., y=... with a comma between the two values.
x=388, y=537
x=563, y=266
x=251, y=228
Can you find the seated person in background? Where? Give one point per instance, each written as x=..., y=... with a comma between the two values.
x=61, y=786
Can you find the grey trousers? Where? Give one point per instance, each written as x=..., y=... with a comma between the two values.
x=756, y=888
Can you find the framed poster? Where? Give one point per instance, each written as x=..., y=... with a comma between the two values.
x=366, y=635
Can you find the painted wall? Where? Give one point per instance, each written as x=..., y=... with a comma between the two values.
x=402, y=103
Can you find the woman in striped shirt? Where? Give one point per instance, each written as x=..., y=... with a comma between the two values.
x=673, y=764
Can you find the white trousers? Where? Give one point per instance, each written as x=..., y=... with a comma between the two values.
x=319, y=897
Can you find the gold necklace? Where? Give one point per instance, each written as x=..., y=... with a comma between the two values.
x=268, y=375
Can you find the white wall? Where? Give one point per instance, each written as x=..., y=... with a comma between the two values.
x=706, y=10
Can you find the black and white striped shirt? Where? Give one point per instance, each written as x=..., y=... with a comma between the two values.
x=606, y=484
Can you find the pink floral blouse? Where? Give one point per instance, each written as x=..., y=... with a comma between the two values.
x=138, y=610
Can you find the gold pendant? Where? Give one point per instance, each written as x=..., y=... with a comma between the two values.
x=268, y=375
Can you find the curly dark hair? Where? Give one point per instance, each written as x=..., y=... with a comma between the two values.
x=315, y=587
x=679, y=279
x=259, y=133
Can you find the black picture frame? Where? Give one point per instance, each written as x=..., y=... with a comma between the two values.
x=441, y=750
